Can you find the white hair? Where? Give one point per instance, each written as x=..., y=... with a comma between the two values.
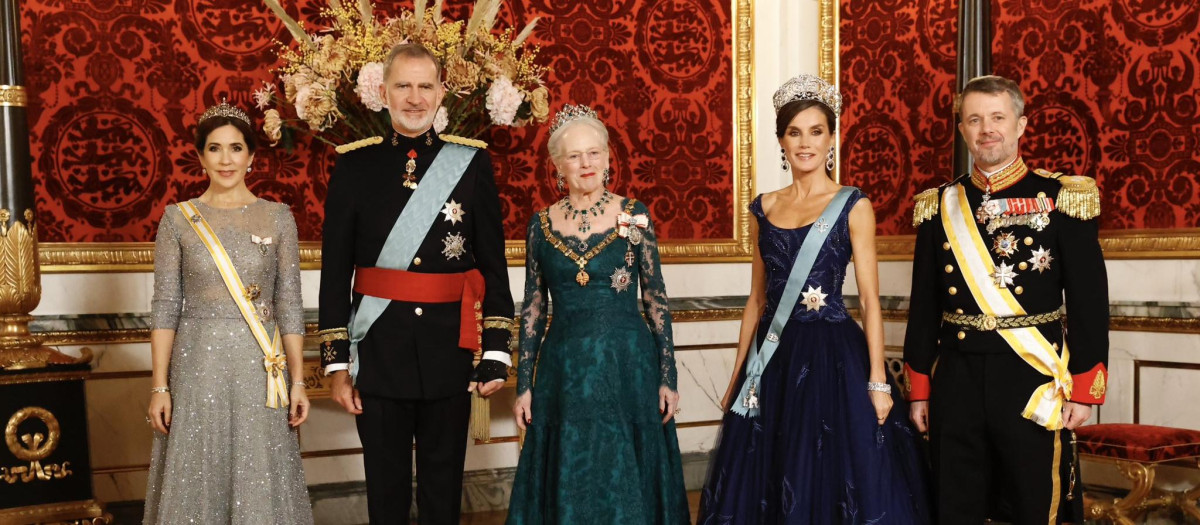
x=555, y=142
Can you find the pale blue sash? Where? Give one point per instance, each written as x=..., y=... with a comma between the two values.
x=409, y=232
x=746, y=404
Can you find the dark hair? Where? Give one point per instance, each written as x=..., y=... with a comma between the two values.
x=410, y=50
x=789, y=111
x=993, y=85
x=206, y=127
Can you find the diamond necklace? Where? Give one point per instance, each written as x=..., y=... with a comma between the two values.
x=583, y=217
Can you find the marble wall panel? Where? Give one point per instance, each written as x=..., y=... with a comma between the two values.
x=120, y=435
x=329, y=427
x=120, y=486
x=92, y=293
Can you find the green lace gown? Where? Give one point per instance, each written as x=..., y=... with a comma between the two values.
x=596, y=450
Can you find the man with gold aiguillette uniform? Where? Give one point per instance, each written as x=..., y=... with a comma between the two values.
x=414, y=284
x=989, y=369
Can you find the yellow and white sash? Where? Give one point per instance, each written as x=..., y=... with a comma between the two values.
x=1045, y=405
x=274, y=360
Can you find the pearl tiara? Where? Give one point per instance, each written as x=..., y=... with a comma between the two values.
x=809, y=87
x=570, y=112
x=224, y=109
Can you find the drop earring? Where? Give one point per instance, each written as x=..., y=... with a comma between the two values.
x=783, y=160
x=561, y=186
x=829, y=160
x=607, y=176
x=248, y=169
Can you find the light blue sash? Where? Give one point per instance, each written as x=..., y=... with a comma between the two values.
x=746, y=404
x=409, y=232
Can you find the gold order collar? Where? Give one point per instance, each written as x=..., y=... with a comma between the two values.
x=1005, y=178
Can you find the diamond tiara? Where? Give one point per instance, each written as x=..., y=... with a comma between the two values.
x=809, y=87
x=570, y=112
x=224, y=109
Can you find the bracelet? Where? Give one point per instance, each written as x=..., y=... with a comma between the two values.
x=879, y=387
x=160, y=390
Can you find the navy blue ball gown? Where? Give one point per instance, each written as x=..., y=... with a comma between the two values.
x=815, y=454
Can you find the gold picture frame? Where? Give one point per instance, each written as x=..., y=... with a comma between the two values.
x=88, y=257
x=1167, y=243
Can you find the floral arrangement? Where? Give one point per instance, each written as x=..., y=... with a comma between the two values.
x=331, y=78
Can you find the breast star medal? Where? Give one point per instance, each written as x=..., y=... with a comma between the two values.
x=621, y=278
x=813, y=299
x=1003, y=276
x=410, y=179
x=1005, y=244
x=1041, y=259
x=454, y=246
x=453, y=212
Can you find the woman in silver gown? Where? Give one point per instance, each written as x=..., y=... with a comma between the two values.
x=221, y=455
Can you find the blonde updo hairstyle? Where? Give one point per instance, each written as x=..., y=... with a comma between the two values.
x=555, y=142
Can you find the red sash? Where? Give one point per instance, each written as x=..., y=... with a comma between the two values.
x=412, y=287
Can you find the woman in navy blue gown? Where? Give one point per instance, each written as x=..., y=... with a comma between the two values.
x=819, y=442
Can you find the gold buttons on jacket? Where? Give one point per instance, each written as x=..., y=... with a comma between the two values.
x=416, y=261
x=949, y=268
x=1023, y=266
x=1041, y=194
x=962, y=335
x=418, y=311
x=946, y=246
x=1019, y=290
x=958, y=310
x=953, y=291
x=1029, y=241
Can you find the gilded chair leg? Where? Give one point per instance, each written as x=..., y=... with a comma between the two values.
x=1142, y=476
x=1186, y=502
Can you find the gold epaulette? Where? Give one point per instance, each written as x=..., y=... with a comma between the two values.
x=926, y=207
x=1079, y=196
x=351, y=146
x=462, y=141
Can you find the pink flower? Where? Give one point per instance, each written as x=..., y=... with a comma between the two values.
x=370, y=80
x=503, y=99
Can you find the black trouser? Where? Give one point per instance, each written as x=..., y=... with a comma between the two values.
x=387, y=428
x=988, y=460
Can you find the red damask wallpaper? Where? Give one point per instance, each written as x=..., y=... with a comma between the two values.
x=116, y=86
x=1112, y=89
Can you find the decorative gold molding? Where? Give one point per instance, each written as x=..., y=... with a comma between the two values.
x=13, y=96
x=88, y=511
x=828, y=62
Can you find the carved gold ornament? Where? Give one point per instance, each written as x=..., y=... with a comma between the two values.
x=33, y=447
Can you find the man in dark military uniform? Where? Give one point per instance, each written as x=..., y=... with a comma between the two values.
x=413, y=222
x=990, y=372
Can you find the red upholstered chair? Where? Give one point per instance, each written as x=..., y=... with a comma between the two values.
x=1137, y=450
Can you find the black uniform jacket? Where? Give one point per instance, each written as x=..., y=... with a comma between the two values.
x=1076, y=270
x=411, y=351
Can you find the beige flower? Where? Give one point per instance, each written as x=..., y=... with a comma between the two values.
x=539, y=103
x=461, y=75
x=321, y=112
x=273, y=126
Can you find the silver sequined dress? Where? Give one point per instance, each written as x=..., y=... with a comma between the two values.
x=228, y=458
